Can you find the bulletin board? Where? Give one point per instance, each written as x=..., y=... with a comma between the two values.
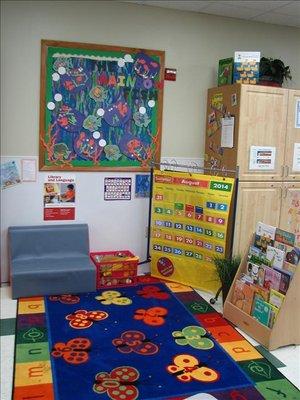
x=100, y=107
x=189, y=227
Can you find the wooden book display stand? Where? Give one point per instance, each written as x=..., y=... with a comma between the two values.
x=286, y=328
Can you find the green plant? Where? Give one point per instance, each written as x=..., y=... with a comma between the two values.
x=226, y=270
x=273, y=70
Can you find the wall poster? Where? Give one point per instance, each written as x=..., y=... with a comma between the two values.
x=142, y=185
x=9, y=174
x=189, y=224
x=29, y=170
x=296, y=158
x=100, y=108
x=59, y=196
x=117, y=188
x=262, y=158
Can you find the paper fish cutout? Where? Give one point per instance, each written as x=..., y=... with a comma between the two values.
x=117, y=113
x=145, y=66
x=61, y=151
x=85, y=146
x=75, y=80
x=69, y=119
x=131, y=146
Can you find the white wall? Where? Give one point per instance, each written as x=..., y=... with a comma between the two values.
x=113, y=225
x=193, y=44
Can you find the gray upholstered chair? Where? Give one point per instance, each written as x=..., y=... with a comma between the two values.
x=50, y=259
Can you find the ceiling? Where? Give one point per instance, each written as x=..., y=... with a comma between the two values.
x=272, y=12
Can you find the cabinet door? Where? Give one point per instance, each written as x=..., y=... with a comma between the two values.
x=292, y=149
x=257, y=201
x=290, y=209
x=263, y=115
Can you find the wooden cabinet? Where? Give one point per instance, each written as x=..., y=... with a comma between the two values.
x=257, y=201
x=292, y=136
x=274, y=203
x=264, y=117
x=290, y=208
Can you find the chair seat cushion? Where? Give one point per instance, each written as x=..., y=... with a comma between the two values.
x=50, y=265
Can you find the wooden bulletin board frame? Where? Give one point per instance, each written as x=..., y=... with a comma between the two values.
x=100, y=107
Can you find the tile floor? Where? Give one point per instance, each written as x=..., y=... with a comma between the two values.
x=287, y=359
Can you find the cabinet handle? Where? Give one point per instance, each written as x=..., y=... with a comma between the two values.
x=282, y=170
x=285, y=189
x=287, y=170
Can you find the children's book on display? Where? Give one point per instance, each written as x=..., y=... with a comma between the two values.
x=225, y=71
x=246, y=67
x=272, y=261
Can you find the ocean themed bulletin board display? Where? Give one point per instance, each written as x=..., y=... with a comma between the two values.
x=189, y=227
x=101, y=107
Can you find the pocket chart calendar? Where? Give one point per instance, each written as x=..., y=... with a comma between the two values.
x=190, y=214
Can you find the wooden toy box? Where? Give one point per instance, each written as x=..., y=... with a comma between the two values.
x=115, y=268
x=286, y=329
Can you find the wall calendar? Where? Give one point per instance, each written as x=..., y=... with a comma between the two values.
x=189, y=226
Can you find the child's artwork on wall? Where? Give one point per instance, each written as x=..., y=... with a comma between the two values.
x=142, y=185
x=9, y=175
x=101, y=107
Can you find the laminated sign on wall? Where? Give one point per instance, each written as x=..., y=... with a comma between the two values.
x=59, y=197
x=189, y=223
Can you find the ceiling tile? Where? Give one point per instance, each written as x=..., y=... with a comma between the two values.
x=290, y=9
x=188, y=5
x=226, y=10
x=258, y=5
x=283, y=12
x=279, y=19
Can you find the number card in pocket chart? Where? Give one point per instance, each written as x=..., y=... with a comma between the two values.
x=189, y=226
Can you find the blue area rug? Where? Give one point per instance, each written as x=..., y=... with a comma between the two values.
x=143, y=342
x=147, y=337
